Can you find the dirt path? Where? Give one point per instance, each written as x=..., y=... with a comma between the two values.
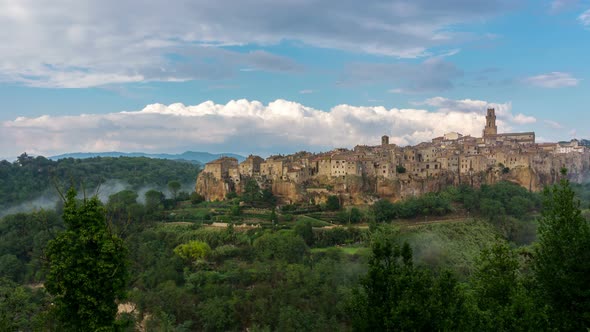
x=411, y=223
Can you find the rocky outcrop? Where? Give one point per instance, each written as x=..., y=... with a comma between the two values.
x=211, y=188
x=356, y=190
x=287, y=192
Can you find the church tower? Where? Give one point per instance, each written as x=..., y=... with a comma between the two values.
x=384, y=140
x=490, y=129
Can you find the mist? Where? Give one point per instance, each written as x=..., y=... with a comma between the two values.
x=49, y=199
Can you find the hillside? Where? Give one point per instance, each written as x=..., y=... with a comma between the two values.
x=201, y=157
x=30, y=178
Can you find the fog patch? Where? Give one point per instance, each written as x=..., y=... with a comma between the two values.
x=49, y=199
x=46, y=201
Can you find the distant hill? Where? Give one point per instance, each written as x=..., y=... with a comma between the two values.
x=202, y=157
x=30, y=182
x=585, y=142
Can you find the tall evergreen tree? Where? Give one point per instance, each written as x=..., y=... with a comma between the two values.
x=87, y=268
x=562, y=259
x=396, y=295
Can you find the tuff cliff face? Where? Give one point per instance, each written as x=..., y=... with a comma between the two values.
x=211, y=188
x=358, y=190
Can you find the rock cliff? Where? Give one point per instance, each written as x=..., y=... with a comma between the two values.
x=355, y=190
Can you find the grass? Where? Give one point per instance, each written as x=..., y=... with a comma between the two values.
x=314, y=222
x=346, y=250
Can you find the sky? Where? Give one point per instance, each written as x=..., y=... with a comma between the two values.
x=280, y=76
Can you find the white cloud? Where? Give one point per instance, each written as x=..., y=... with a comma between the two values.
x=584, y=18
x=503, y=111
x=238, y=126
x=558, y=5
x=306, y=91
x=553, y=80
x=59, y=43
x=553, y=124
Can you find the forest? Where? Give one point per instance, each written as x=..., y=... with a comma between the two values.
x=494, y=258
x=29, y=177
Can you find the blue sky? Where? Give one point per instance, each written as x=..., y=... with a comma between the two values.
x=302, y=74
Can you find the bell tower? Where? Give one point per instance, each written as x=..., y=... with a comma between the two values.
x=490, y=129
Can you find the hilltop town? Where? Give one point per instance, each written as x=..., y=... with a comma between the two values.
x=390, y=171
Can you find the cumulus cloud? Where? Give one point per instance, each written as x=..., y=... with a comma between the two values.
x=553, y=80
x=240, y=126
x=432, y=75
x=87, y=43
x=503, y=111
x=584, y=18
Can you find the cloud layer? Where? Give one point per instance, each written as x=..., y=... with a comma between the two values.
x=503, y=111
x=432, y=75
x=88, y=43
x=585, y=18
x=553, y=80
x=246, y=127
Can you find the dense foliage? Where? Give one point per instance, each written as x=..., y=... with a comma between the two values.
x=562, y=259
x=87, y=268
x=28, y=177
x=463, y=259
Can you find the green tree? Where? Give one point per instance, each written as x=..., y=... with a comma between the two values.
x=87, y=268
x=356, y=215
x=396, y=295
x=503, y=301
x=305, y=230
x=333, y=203
x=196, y=198
x=174, y=187
x=153, y=200
x=383, y=210
x=562, y=258
x=251, y=192
x=11, y=267
x=20, y=307
x=193, y=250
x=285, y=246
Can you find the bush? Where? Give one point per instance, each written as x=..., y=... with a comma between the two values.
x=193, y=250
x=286, y=246
x=333, y=203
x=196, y=198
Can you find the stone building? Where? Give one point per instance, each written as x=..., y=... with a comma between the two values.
x=219, y=168
x=452, y=156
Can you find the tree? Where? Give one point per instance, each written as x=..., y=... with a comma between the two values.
x=273, y=217
x=196, y=198
x=396, y=295
x=153, y=199
x=503, y=302
x=333, y=203
x=562, y=258
x=20, y=307
x=305, y=230
x=193, y=250
x=251, y=191
x=87, y=267
x=174, y=187
x=384, y=210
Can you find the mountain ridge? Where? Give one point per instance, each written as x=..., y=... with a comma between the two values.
x=202, y=157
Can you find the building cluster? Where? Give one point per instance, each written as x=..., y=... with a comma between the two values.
x=453, y=152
